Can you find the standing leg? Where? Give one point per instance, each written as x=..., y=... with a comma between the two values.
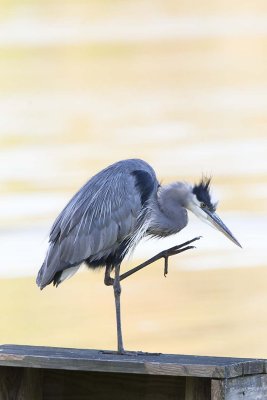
x=117, y=294
x=117, y=287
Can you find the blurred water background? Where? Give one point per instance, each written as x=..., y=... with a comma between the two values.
x=182, y=85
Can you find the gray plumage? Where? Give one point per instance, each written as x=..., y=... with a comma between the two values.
x=108, y=216
x=111, y=213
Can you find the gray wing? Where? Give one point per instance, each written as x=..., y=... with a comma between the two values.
x=99, y=217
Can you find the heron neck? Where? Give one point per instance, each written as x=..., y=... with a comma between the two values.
x=169, y=214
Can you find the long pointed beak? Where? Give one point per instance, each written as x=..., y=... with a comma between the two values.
x=217, y=223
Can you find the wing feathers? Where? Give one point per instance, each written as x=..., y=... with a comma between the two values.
x=98, y=218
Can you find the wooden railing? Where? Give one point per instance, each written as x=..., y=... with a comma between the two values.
x=46, y=373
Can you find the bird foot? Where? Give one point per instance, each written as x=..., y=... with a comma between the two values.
x=129, y=353
x=143, y=353
x=176, y=250
x=179, y=248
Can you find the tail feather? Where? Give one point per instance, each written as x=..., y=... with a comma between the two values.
x=54, y=269
x=50, y=267
x=64, y=275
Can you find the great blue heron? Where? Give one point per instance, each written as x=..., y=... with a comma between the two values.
x=111, y=213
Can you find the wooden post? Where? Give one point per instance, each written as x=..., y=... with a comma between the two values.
x=47, y=373
x=252, y=387
x=20, y=383
x=197, y=389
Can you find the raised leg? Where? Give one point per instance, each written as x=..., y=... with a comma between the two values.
x=163, y=254
x=117, y=294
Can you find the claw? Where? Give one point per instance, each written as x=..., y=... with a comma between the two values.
x=165, y=266
x=171, y=252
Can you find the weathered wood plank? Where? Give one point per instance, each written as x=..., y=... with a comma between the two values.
x=197, y=389
x=94, y=360
x=252, y=387
x=10, y=381
x=20, y=383
x=83, y=385
x=218, y=389
x=31, y=384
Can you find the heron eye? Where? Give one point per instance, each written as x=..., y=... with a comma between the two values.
x=202, y=205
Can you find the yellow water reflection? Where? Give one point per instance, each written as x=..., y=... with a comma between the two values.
x=183, y=86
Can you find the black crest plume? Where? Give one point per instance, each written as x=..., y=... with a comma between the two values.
x=202, y=192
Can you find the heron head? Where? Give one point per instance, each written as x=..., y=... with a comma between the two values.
x=200, y=203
